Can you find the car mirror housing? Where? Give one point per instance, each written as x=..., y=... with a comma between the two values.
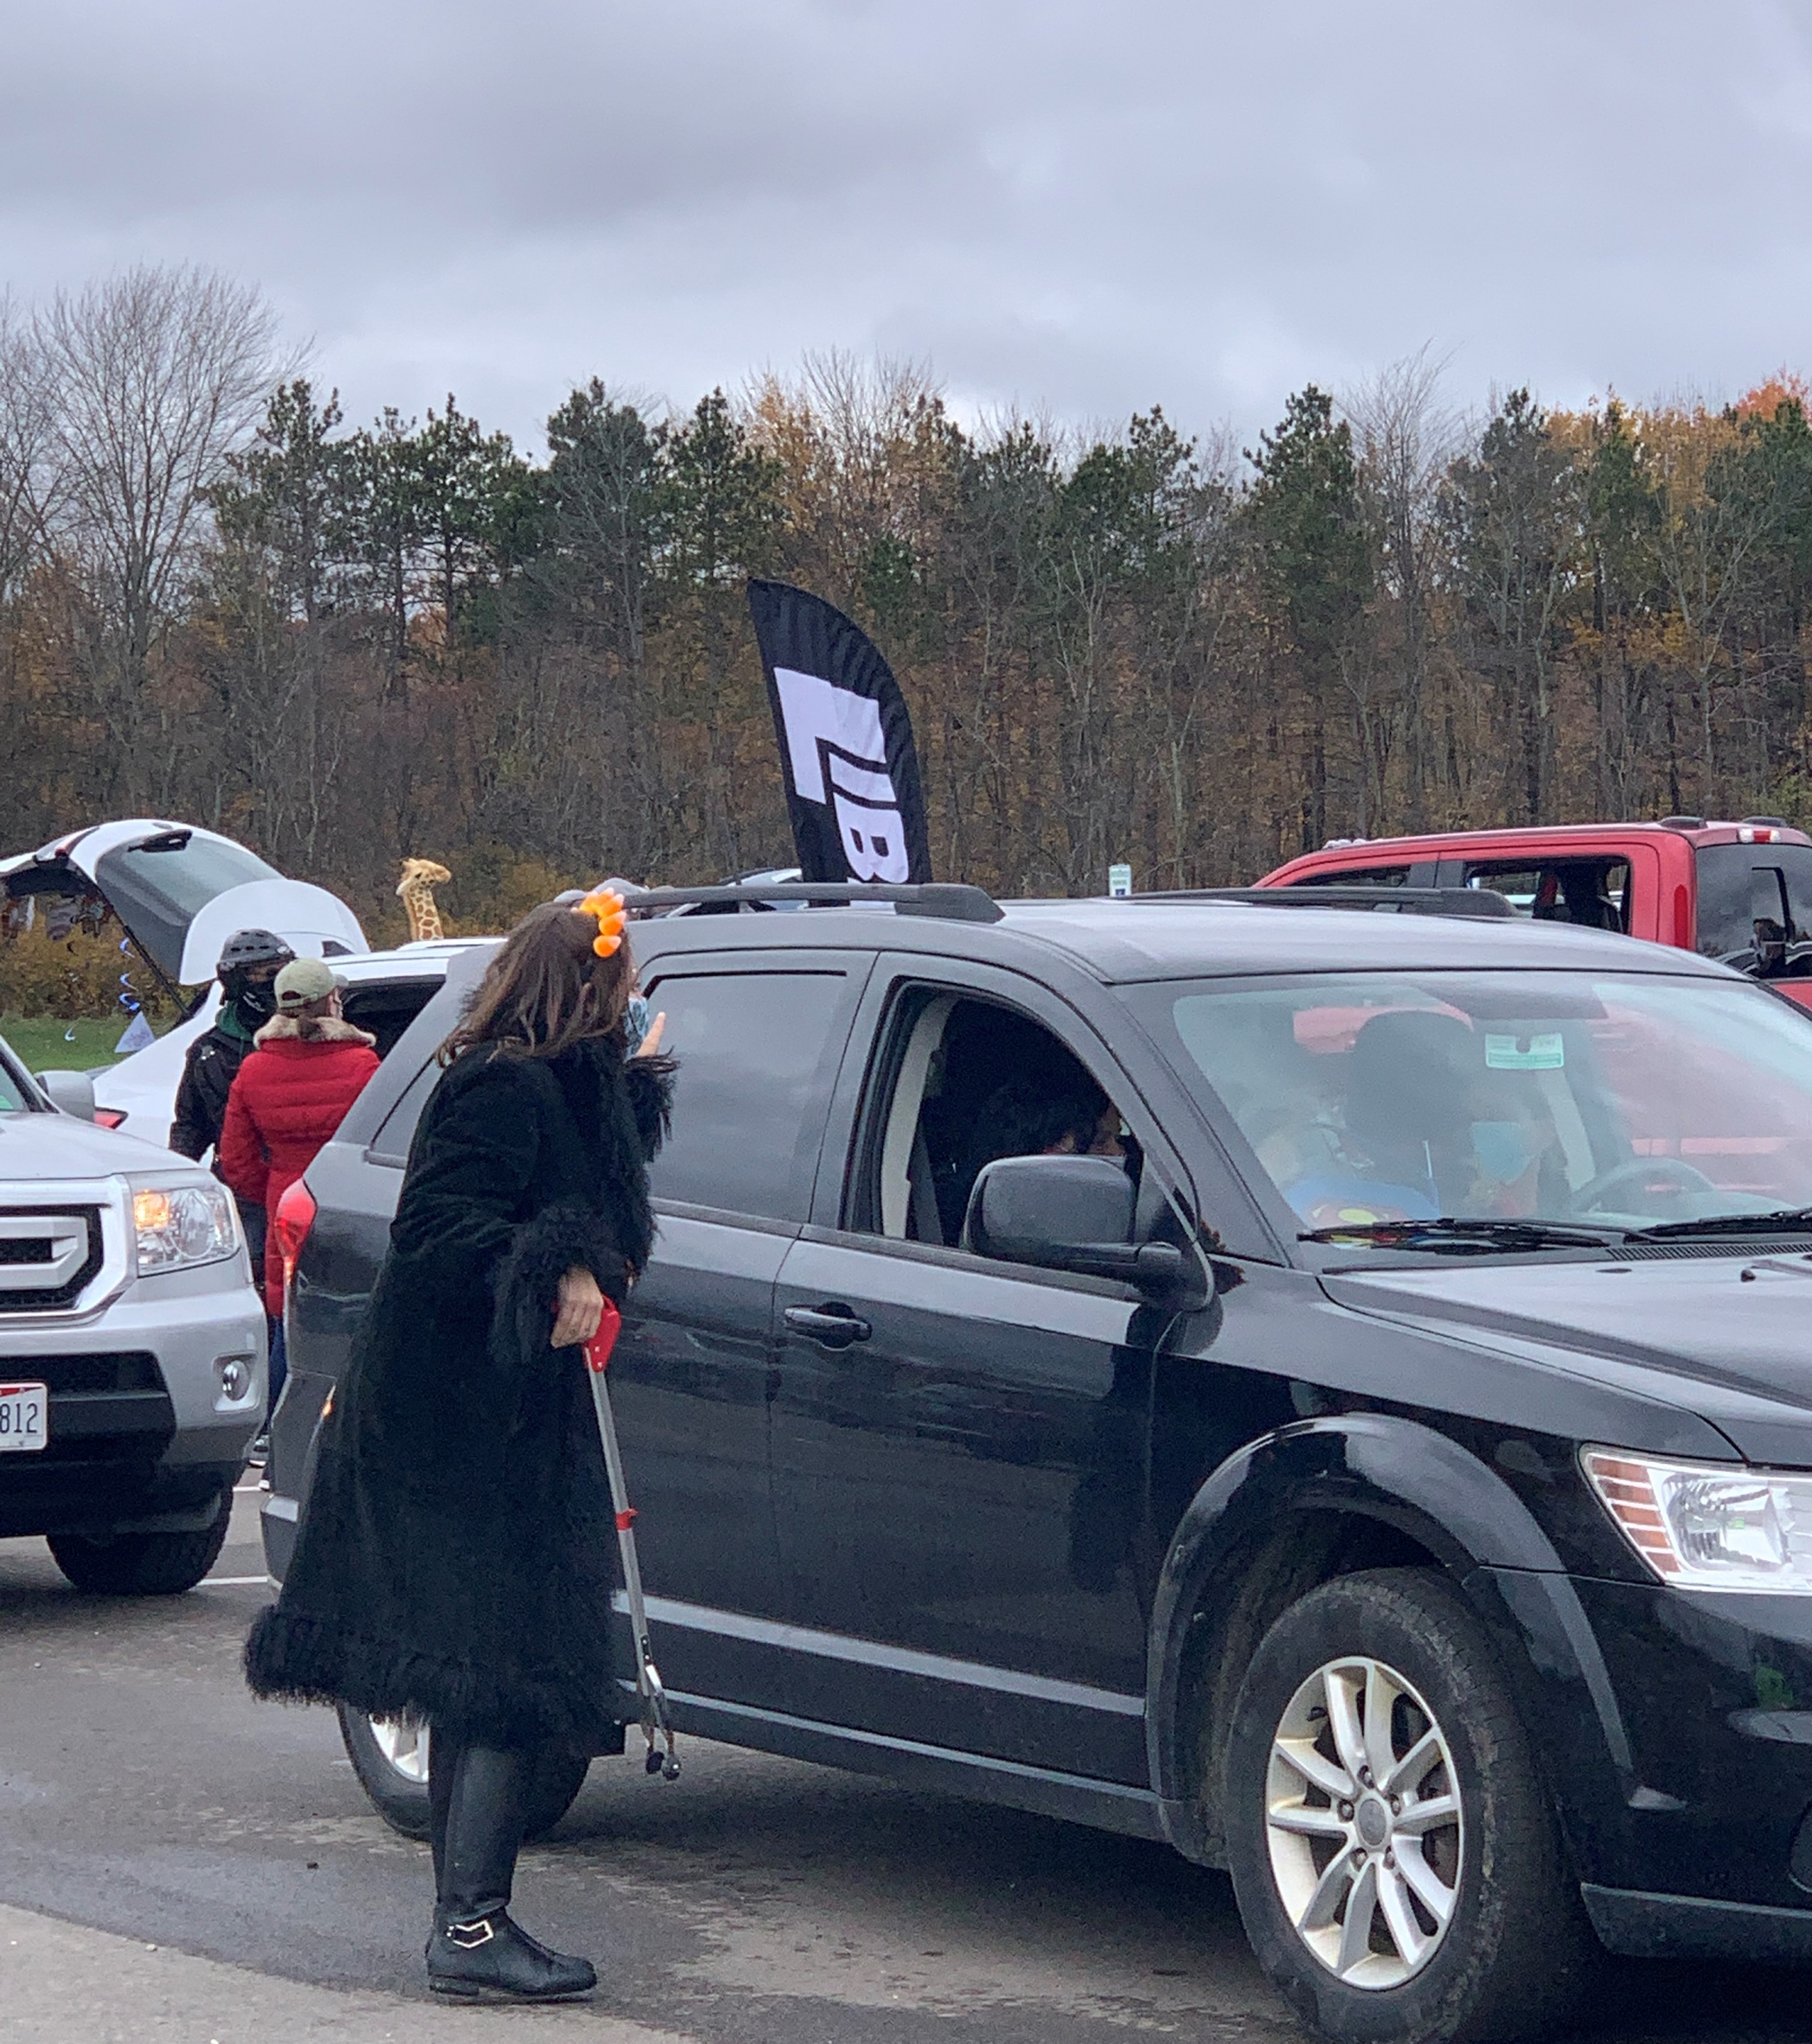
x=1067, y=1214
x=72, y=1091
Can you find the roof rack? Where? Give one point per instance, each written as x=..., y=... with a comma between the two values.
x=950, y=901
x=1390, y=901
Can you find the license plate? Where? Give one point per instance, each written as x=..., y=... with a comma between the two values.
x=24, y=1417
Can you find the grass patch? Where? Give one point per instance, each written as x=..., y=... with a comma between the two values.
x=42, y=1042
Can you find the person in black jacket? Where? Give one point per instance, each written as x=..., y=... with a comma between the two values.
x=456, y=1561
x=248, y=971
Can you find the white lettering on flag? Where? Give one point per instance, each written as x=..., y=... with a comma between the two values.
x=839, y=757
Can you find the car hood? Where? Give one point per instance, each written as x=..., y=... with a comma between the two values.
x=55, y=1146
x=1726, y=1336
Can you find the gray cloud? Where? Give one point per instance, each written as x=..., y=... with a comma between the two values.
x=1098, y=205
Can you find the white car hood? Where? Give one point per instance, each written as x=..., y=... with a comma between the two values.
x=56, y=1146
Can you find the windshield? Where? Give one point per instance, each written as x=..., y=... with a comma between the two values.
x=12, y=1098
x=1548, y=1096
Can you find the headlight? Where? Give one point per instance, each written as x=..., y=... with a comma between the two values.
x=181, y=1225
x=1710, y=1526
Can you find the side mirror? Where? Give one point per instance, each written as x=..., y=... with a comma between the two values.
x=73, y=1091
x=1067, y=1214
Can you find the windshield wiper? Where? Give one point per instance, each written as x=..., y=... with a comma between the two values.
x=1778, y=1221
x=1456, y=1233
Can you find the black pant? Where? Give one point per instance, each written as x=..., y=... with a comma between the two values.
x=477, y=1798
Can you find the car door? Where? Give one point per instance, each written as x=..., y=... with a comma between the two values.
x=958, y=1443
x=759, y=1037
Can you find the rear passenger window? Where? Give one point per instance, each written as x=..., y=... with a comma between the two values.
x=1591, y=892
x=390, y=1144
x=749, y=1104
x=1364, y=876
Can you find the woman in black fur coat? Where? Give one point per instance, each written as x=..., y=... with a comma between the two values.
x=456, y=1561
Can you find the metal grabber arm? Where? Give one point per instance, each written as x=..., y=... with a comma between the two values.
x=655, y=1722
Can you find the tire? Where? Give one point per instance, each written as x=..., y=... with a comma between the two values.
x=1482, y=1937
x=142, y=1564
x=391, y=1762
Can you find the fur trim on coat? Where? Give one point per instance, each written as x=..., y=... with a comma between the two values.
x=313, y=1029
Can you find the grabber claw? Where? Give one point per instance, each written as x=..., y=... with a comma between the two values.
x=655, y=1719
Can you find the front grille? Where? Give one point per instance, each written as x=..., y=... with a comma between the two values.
x=132, y=1369
x=48, y=1254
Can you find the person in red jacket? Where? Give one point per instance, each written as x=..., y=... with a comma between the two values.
x=308, y=1067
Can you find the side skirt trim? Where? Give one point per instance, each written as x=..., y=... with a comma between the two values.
x=896, y=1660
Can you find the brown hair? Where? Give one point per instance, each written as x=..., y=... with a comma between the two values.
x=546, y=989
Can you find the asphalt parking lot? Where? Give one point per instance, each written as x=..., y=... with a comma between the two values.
x=146, y=1801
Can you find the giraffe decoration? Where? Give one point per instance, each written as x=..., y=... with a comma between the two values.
x=416, y=891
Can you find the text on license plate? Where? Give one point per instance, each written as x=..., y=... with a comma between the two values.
x=24, y=1417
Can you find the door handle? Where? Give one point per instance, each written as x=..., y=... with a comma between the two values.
x=831, y=1326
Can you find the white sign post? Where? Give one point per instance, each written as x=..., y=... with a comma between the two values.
x=1119, y=881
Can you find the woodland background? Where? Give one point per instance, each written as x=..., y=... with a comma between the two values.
x=221, y=602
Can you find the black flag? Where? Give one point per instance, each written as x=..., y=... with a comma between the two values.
x=845, y=742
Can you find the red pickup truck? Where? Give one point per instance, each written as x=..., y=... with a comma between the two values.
x=1741, y=892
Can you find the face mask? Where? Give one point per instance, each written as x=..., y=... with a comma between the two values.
x=1502, y=1150
x=256, y=1004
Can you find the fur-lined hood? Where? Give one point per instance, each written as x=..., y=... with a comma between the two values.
x=311, y=1029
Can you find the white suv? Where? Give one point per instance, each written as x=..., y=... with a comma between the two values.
x=132, y=1349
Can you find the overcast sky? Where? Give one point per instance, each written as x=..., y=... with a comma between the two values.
x=1086, y=204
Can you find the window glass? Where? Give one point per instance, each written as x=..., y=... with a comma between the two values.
x=158, y=893
x=1543, y=1095
x=974, y=1081
x=1591, y=892
x=748, y=1109
x=1364, y=876
x=1740, y=887
x=390, y=1144
x=12, y=1089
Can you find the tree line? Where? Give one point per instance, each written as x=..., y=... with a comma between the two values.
x=344, y=643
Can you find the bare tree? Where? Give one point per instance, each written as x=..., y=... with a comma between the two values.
x=26, y=421
x=159, y=374
x=1407, y=439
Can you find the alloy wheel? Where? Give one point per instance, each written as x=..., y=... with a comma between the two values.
x=403, y=1742
x=1364, y=1823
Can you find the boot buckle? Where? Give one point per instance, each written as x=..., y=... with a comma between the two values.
x=468, y=1937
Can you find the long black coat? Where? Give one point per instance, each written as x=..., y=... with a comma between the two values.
x=457, y=1556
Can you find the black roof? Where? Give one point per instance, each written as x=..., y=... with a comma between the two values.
x=1152, y=938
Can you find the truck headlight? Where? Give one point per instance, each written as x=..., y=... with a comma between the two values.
x=1710, y=1526
x=181, y=1225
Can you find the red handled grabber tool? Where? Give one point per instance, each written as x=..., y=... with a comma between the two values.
x=655, y=1722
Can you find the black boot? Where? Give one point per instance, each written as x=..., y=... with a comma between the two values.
x=476, y=1952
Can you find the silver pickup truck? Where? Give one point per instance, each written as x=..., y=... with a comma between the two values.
x=132, y=1349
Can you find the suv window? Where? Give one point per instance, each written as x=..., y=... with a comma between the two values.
x=1363, y=875
x=962, y=1081
x=1591, y=892
x=748, y=1106
x=1742, y=887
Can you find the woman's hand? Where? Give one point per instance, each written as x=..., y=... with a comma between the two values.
x=651, y=1042
x=581, y=1307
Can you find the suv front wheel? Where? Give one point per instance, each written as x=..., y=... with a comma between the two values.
x=1392, y=1849
x=143, y=1564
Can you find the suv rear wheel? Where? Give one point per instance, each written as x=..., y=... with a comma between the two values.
x=1376, y=1770
x=142, y=1564
x=390, y=1758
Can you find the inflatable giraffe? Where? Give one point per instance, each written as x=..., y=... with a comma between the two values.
x=416, y=891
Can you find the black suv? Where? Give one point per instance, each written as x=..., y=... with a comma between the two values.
x=1331, y=1390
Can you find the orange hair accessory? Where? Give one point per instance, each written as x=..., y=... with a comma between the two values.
x=607, y=905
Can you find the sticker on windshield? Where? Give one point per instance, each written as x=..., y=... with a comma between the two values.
x=1512, y=1054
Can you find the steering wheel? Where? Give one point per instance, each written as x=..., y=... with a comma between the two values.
x=1590, y=1197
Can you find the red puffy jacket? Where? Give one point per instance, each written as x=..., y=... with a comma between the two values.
x=288, y=1097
